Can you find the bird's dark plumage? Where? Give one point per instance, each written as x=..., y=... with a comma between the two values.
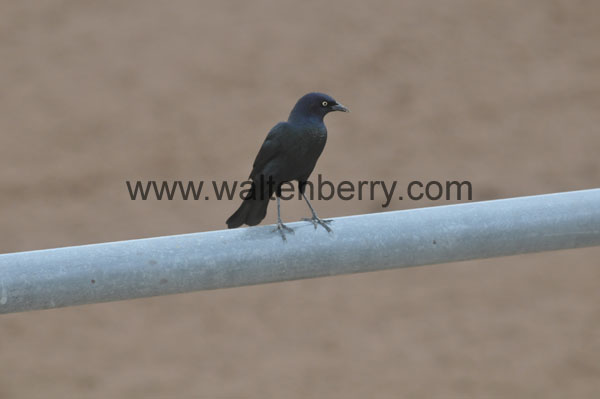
x=290, y=152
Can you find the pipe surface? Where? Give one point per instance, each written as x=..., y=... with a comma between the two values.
x=113, y=271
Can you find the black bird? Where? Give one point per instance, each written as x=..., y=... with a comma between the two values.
x=289, y=153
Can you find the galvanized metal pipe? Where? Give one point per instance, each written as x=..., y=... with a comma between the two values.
x=228, y=258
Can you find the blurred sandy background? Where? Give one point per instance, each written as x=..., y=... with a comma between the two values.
x=505, y=94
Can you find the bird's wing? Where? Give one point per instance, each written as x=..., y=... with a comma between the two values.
x=269, y=149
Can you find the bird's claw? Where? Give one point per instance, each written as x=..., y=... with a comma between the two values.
x=281, y=228
x=316, y=220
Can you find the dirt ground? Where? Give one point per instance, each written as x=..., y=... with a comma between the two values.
x=505, y=94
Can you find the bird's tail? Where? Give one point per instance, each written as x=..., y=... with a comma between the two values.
x=251, y=212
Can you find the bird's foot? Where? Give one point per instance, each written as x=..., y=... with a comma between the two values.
x=315, y=220
x=282, y=228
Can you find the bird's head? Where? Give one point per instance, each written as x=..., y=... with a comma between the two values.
x=315, y=106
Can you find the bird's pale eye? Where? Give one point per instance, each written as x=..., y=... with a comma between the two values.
x=324, y=103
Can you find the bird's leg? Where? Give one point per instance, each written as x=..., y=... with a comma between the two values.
x=315, y=219
x=280, y=226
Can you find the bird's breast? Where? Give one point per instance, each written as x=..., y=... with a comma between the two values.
x=311, y=142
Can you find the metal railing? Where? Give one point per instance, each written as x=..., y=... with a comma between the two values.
x=166, y=265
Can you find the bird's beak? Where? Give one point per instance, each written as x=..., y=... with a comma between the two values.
x=340, y=107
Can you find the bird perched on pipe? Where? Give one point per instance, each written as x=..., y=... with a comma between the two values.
x=289, y=153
